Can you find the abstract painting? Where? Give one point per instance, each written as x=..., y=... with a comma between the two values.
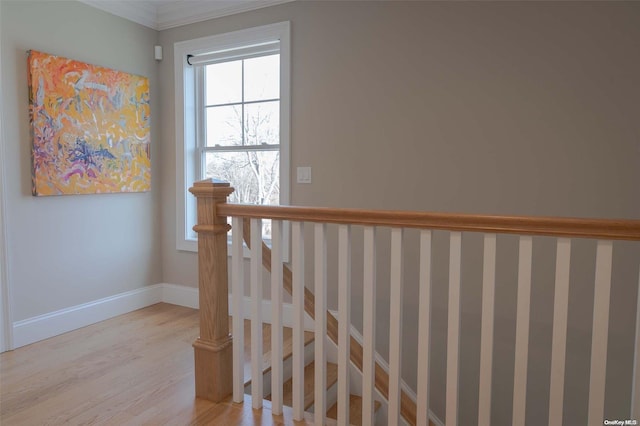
x=90, y=127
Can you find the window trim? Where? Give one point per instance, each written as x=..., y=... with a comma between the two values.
x=186, y=101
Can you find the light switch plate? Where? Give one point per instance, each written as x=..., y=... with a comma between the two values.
x=304, y=174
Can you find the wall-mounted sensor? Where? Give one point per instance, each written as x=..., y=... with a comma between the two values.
x=157, y=53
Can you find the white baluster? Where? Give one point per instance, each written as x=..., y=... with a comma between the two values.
x=600, y=333
x=486, y=336
x=237, y=292
x=424, y=329
x=256, y=310
x=368, y=325
x=453, y=335
x=297, y=298
x=344, y=321
x=320, y=272
x=276, y=317
x=395, y=325
x=559, y=339
x=522, y=331
x=635, y=391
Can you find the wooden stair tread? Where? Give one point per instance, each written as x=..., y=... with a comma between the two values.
x=287, y=346
x=355, y=410
x=309, y=380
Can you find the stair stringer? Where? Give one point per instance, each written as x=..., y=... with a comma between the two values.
x=355, y=381
x=407, y=403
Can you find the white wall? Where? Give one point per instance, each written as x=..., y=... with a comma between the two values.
x=481, y=107
x=69, y=250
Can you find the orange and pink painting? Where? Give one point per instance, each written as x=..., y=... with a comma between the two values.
x=90, y=126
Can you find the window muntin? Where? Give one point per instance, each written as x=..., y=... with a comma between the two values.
x=265, y=54
x=242, y=131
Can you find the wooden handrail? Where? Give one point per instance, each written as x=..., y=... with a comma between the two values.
x=212, y=348
x=407, y=406
x=612, y=229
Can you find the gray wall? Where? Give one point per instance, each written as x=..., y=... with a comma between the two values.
x=500, y=107
x=68, y=250
x=505, y=108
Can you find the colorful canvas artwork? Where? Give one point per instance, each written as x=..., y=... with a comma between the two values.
x=90, y=126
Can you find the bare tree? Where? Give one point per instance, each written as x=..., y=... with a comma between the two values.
x=253, y=173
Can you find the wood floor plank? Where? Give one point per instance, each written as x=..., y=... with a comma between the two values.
x=61, y=347
x=135, y=369
x=97, y=378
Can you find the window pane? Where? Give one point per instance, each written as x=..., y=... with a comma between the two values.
x=224, y=83
x=262, y=123
x=262, y=78
x=224, y=125
x=255, y=175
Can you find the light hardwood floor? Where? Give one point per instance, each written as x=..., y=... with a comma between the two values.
x=136, y=369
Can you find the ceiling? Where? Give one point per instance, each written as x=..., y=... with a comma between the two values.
x=163, y=14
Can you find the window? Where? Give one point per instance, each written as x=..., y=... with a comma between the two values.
x=232, y=119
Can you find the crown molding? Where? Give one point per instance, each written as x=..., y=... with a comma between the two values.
x=141, y=12
x=165, y=14
x=176, y=13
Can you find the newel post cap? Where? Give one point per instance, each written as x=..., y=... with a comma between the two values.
x=211, y=188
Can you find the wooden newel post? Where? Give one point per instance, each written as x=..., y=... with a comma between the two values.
x=212, y=350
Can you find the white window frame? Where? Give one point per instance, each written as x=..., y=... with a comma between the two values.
x=187, y=163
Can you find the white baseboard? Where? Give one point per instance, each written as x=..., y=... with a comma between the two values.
x=180, y=295
x=42, y=327
x=52, y=324
x=55, y=323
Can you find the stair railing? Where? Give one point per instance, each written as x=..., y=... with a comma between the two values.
x=212, y=348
